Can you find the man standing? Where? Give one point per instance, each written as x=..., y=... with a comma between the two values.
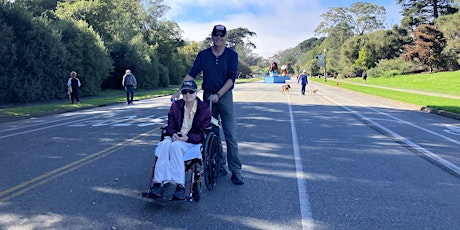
x=303, y=78
x=130, y=83
x=219, y=66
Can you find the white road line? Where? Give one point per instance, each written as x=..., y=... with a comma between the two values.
x=449, y=166
x=37, y=124
x=408, y=123
x=46, y=127
x=304, y=200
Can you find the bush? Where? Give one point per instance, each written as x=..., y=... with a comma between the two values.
x=392, y=67
x=353, y=71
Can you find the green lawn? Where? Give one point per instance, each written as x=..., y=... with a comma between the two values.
x=444, y=83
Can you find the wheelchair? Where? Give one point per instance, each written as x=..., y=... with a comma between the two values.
x=206, y=167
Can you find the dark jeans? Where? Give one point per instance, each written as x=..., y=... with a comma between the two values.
x=303, y=88
x=224, y=110
x=74, y=96
x=129, y=93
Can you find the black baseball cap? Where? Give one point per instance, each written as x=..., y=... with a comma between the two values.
x=191, y=85
x=219, y=30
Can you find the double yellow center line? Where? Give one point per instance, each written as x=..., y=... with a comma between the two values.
x=44, y=178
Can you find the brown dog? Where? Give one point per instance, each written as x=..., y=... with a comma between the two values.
x=285, y=88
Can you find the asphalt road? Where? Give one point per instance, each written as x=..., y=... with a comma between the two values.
x=335, y=160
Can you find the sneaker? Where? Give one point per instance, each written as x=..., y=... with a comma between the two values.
x=156, y=191
x=222, y=173
x=237, y=179
x=179, y=194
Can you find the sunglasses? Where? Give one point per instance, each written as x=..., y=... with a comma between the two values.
x=218, y=35
x=188, y=91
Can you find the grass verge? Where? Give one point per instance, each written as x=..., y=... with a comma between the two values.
x=436, y=102
x=108, y=97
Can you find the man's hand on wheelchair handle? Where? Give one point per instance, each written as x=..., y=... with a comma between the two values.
x=175, y=96
x=214, y=98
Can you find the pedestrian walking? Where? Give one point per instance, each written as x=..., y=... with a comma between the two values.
x=72, y=86
x=130, y=84
x=303, y=79
x=364, y=76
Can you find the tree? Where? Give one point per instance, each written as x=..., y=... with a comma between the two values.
x=240, y=36
x=359, y=19
x=367, y=17
x=340, y=24
x=429, y=44
x=36, y=57
x=136, y=38
x=387, y=44
x=190, y=51
x=364, y=60
x=450, y=26
x=349, y=51
x=38, y=7
x=336, y=21
x=416, y=12
x=86, y=54
x=310, y=44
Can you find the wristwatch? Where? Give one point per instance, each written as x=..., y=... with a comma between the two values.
x=218, y=95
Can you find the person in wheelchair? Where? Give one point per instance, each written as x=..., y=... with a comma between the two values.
x=187, y=120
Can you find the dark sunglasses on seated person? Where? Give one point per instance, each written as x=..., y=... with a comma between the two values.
x=188, y=91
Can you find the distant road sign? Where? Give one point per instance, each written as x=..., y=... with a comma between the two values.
x=321, y=60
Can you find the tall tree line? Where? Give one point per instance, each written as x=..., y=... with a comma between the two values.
x=354, y=39
x=44, y=40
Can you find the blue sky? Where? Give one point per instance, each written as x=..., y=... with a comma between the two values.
x=279, y=25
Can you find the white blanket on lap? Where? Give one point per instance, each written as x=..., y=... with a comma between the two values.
x=192, y=153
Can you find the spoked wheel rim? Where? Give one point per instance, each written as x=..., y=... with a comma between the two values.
x=211, y=166
x=196, y=191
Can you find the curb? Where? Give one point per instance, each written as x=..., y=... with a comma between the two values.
x=441, y=112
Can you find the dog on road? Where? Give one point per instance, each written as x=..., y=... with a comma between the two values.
x=312, y=90
x=285, y=88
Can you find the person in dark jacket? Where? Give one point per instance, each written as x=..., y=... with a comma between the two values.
x=303, y=79
x=73, y=84
x=187, y=120
x=130, y=84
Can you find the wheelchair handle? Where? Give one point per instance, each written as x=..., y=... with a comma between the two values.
x=214, y=121
x=210, y=102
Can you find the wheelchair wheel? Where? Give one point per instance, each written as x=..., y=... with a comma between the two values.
x=196, y=191
x=211, y=159
x=196, y=181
